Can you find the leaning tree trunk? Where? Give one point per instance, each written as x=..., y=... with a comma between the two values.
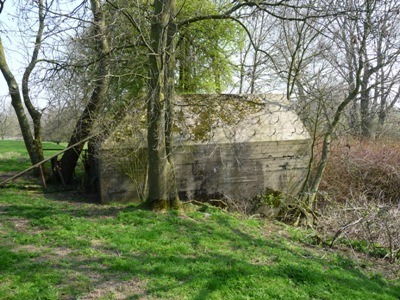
x=162, y=192
x=16, y=101
x=33, y=144
x=305, y=213
x=84, y=126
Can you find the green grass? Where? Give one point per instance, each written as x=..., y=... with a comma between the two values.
x=14, y=157
x=53, y=248
x=57, y=246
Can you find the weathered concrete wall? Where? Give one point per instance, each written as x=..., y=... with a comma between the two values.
x=226, y=146
x=240, y=170
x=209, y=171
x=115, y=185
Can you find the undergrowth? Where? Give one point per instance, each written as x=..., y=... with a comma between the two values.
x=362, y=196
x=359, y=166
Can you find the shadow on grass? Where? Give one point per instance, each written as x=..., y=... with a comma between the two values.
x=34, y=213
x=229, y=278
x=14, y=165
x=177, y=257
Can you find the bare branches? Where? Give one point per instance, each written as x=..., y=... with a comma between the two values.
x=288, y=12
x=133, y=22
x=33, y=61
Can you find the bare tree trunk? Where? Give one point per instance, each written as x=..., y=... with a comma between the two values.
x=365, y=103
x=254, y=70
x=33, y=143
x=35, y=114
x=84, y=126
x=169, y=109
x=354, y=123
x=161, y=175
x=16, y=101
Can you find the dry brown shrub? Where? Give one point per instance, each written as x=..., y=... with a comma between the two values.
x=359, y=166
x=362, y=184
x=368, y=225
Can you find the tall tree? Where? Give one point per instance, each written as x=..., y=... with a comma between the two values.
x=305, y=213
x=380, y=76
x=86, y=121
x=160, y=38
x=161, y=178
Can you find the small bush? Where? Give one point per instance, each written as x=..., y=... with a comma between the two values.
x=268, y=204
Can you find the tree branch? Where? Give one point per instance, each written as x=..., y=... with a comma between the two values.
x=133, y=23
x=2, y=5
x=263, y=6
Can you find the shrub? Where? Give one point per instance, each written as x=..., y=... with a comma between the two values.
x=370, y=168
x=362, y=181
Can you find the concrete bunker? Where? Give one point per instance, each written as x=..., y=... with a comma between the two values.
x=225, y=146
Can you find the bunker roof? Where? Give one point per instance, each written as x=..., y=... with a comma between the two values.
x=221, y=118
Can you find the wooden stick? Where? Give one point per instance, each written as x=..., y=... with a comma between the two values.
x=42, y=175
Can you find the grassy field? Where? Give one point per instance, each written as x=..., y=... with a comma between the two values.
x=14, y=157
x=59, y=246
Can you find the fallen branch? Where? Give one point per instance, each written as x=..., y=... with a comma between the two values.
x=343, y=228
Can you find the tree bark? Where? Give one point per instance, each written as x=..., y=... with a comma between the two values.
x=84, y=126
x=35, y=114
x=16, y=101
x=162, y=192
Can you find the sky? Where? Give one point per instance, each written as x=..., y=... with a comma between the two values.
x=18, y=49
x=7, y=23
